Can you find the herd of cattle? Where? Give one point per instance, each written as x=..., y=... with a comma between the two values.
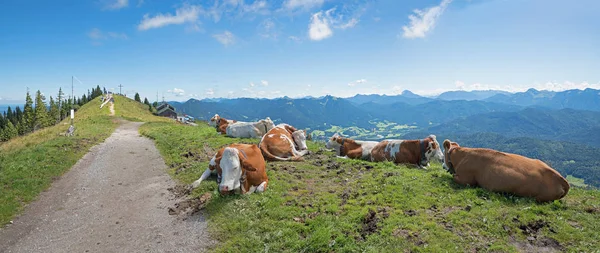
x=242, y=167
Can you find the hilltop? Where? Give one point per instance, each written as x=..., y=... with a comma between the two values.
x=327, y=204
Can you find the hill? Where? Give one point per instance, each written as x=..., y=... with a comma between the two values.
x=326, y=204
x=470, y=95
x=406, y=97
x=564, y=124
x=29, y=164
x=588, y=99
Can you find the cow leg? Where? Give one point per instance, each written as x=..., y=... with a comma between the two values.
x=204, y=176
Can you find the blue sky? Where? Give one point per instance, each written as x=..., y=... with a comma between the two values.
x=236, y=48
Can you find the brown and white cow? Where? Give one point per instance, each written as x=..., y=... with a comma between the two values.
x=220, y=123
x=348, y=148
x=418, y=152
x=283, y=143
x=504, y=172
x=239, y=167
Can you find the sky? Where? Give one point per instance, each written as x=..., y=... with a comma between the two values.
x=258, y=48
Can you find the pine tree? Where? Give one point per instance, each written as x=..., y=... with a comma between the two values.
x=41, y=113
x=18, y=116
x=137, y=97
x=3, y=136
x=10, y=115
x=28, y=116
x=60, y=103
x=2, y=120
x=104, y=90
x=54, y=114
x=10, y=131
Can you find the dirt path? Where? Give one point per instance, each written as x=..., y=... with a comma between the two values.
x=115, y=199
x=112, y=109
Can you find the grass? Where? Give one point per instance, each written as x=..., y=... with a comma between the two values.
x=579, y=182
x=29, y=164
x=326, y=204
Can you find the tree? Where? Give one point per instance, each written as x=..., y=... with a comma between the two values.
x=28, y=116
x=10, y=116
x=137, y=97
x=41, y=113
x=18, y=116
x=60, y=103
x=9, y=131
x=54, y=114
x=104, y=90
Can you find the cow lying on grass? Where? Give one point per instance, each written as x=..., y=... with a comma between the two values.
x=249, y=129
x=348, y=148
x=215, y=120
x=283, y=143
x=239, y=167
x=418, y=152
x=220, y=123
x=504, y=172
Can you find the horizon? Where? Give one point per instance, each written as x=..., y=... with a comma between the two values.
x=297, y=48
x=434, y=96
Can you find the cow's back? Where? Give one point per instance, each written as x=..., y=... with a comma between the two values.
x=505, y=172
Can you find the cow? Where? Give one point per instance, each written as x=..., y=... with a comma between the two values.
x=215, y=120
x=239, y=167
x=503, y=172
x=348, y=148
x=284, y=143
x=249, y=129
x=220, y=123
x=418, y=152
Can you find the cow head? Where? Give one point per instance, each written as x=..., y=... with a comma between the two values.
x=448, y=146
x=433, y=149
x=232, y=165
x=213, y=120
x=268, y=123
x=335, y=142
x=300, y=139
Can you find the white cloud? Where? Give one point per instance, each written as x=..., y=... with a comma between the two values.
x=359, y=81
x=424, y=20
x=276, y=92
x=185, y=14
x=96, y=35
x=140, y=3
x=226, y=38
x=251, y=84
x=268, y=29
x=459, y=85
x=210, y=92
x=349, y=24
x=397, y=89
x=376, y=19
x=117, y=4
x=294, y=38
x=302, y=4
x=177, y=92
x=264, y=83
x=321, y=23
x=319, y=27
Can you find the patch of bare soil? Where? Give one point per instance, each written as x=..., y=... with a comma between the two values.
x=371, y=220
x=536, y=242
x=412, y=237
x=190, y=206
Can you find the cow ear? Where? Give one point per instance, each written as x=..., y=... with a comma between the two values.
x=246, y=164
x=446, y=144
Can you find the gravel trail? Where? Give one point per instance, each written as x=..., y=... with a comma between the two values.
x=115, y=199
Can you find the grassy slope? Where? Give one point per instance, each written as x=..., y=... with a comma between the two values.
x=323, y=205
x=30, y=163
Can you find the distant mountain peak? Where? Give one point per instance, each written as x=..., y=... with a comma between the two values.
x=410, y=94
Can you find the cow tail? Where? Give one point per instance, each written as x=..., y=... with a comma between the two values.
x=270, y=156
